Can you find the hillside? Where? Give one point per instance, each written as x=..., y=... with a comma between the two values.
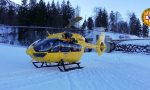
x=8, y=3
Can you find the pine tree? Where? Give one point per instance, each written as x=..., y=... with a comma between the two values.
x=33, y=3
x=24, y=3
x=98, y=21
x=40, y=18
x=49, y=15
x=117, y=20
x=138, y=28
x=112, y=22
x=23, y=18
x=11, y=16
x=77, y=14
x=123, y=27
x=84, y=24
x=58, y=7
x=132, y=24
x=104, y=19
x=59, y=17
x=56, y=18
x=68, y=12
x=2, y=14
x=90, y=23
x=145, y=30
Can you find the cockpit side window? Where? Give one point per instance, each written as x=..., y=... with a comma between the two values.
x=55, y=49
x=64, y=47
x=56, y=46
x=76, y=48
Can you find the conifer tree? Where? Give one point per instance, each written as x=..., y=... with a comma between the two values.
x=132, y=24
x=145, y=30
x=90, y=23
x=84, y=24
x=138, y=28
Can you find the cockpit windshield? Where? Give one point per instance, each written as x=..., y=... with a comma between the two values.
x=44, y=45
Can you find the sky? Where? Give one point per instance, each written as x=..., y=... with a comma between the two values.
x=122, y=6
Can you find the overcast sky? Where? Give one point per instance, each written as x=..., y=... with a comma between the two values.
x=123, y=6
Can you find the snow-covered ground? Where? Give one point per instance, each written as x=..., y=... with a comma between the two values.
x=111, y=71
x=137, y=42
x=116, y=36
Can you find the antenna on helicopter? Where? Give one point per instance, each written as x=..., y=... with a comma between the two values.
x=48, y=33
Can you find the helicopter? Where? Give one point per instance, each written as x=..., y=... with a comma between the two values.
x=61, y=50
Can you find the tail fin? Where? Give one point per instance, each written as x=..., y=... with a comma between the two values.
x=101, y=44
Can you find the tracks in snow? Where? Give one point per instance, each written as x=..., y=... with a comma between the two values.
x=99, y=76
x=26, y=78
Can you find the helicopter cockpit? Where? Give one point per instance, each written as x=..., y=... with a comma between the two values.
x=56, y=45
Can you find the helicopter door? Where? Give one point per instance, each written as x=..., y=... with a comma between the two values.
x=66, y=53
x=72, y=52
x=76, y=51
x=54, y=54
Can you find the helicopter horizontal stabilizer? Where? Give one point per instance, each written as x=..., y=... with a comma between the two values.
x=100, y=44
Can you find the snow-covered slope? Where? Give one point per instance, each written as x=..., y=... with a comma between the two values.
x=8, y=3
x=113, y=71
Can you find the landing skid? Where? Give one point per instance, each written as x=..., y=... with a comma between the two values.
x=61, y=65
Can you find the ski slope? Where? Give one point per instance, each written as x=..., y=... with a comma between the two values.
x=111, y=71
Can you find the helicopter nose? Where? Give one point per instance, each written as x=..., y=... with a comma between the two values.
x=28, y=51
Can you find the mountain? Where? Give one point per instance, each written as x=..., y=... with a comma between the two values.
x=7, y=3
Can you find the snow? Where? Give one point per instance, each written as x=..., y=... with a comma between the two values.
x=8, y=3
x=111, y=71
x=137, y=42
x=7, y=30
x=116, y=36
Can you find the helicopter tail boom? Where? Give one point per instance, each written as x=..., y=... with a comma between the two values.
x=100, y=46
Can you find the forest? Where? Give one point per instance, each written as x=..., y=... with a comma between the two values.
x=59, y=14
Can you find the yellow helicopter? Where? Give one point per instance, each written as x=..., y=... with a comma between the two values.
x=62, y=49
